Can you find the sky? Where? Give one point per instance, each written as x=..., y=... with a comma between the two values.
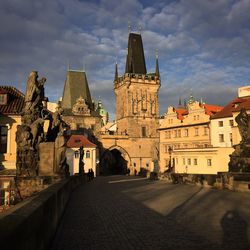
x=203, y=46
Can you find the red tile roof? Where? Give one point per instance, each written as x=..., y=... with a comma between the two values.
x=15, y=100
x=181, y=113
x=234, y=106
x=211, y=110
x=76, y=141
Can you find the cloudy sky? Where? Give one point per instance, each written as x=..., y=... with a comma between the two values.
x=203, y=46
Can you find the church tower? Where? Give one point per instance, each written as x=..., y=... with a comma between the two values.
x=137, y=108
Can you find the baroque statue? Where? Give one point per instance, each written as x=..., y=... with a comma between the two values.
x=31, y=131
x=240, y=158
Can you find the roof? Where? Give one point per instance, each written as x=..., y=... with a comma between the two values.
x=76, y=85
x=211, y=110
x=181, y=113
x=135, y=58
x=234, y=106
x=15, y=100
x=76, y=141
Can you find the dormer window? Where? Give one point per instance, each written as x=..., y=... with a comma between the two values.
x=3, y=99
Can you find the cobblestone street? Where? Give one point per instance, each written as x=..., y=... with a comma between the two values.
x=120, y=212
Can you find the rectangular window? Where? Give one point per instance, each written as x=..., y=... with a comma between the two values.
x=186, y=132
x=231, y=138
x=166, y=134
x=220, y=123
x=231, y=123
x=143, y=131
x=195, y=161
x=221, y=137
x=196, y=132
x=3, y=99
x=205, y=131
x=175, y=133
x=3, y=139
x=184, y=161
x=195, y=117
x=179, y=133
x=189, y=161
x=209, y=162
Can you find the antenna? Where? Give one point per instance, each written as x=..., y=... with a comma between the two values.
x=68, y=65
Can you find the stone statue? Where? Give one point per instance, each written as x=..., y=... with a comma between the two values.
x=240, y=158
x=243, y=121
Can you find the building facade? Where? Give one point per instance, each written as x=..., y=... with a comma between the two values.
x=11, y=105
x=185, y=140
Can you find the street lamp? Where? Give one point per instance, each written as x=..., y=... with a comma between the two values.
x=81, y=163
x=170, y=150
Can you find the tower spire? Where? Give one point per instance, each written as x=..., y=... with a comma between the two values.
x=157, y=71
x=116, y=73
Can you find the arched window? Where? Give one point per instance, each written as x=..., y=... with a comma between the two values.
x=87, y=154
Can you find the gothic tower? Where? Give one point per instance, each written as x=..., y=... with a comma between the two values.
x=137, y=108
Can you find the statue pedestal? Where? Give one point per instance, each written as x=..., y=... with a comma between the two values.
x=47, y=159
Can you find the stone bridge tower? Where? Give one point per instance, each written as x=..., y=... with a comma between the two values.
x=137, y=109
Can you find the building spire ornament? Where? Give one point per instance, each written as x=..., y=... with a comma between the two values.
x=116, y=72
x=157, y=71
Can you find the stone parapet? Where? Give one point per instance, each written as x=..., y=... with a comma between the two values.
x=32, y=223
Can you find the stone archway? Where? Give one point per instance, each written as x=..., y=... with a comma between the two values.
x=114, y=160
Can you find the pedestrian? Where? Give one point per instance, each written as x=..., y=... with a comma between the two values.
x=89, y=175
x=135, y=172
x=92, y=174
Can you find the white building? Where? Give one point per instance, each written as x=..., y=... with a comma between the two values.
x=73, y=154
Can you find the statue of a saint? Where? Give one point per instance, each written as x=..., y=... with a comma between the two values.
x=243, y=123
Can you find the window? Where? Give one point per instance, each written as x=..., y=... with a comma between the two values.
x=196, y=132
x=3, y=139
x=209, y=162
x=175, y=133
x=195, y=117
x=143, y=131
x=92, y=127
x=87, y=154
x=166, y=134
x=205, y=131
x=134, y=164
x=221, y=137
x=198, y=117
x=169, y=134
x=195, y=161
x=231, y=123
x=189, y=161
x=3, y=99
x=166, y=148
x=76, y=154
x=179, y=133
x=186, y=132
x=184, y=161
x=220, y=123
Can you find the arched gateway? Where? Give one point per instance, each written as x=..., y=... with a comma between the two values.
x=115, y=160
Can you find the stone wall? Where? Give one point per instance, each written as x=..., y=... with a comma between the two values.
x=232, y=181
x=32, y=223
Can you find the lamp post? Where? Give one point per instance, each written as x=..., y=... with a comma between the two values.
x=81, y=163
x=170, y=150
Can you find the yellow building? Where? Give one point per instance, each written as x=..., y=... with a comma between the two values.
x=185, y=139
x=11, y=104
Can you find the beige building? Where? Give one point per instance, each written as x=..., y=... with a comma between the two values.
x=134, y=145
x=185, y=140
x=11, y=104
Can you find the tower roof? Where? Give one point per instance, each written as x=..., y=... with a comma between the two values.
x=135, y=59
x=76, y=85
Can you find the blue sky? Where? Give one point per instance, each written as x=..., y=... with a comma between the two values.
x=203, y=46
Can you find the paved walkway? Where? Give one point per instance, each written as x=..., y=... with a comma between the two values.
x=119, y=212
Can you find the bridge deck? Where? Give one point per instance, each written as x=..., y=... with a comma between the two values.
x=119, y=212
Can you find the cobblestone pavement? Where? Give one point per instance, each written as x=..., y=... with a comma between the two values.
x=135, y=213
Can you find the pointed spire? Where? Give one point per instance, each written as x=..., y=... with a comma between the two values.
x=116, y=73
x=179, y=102
x=157, y=71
